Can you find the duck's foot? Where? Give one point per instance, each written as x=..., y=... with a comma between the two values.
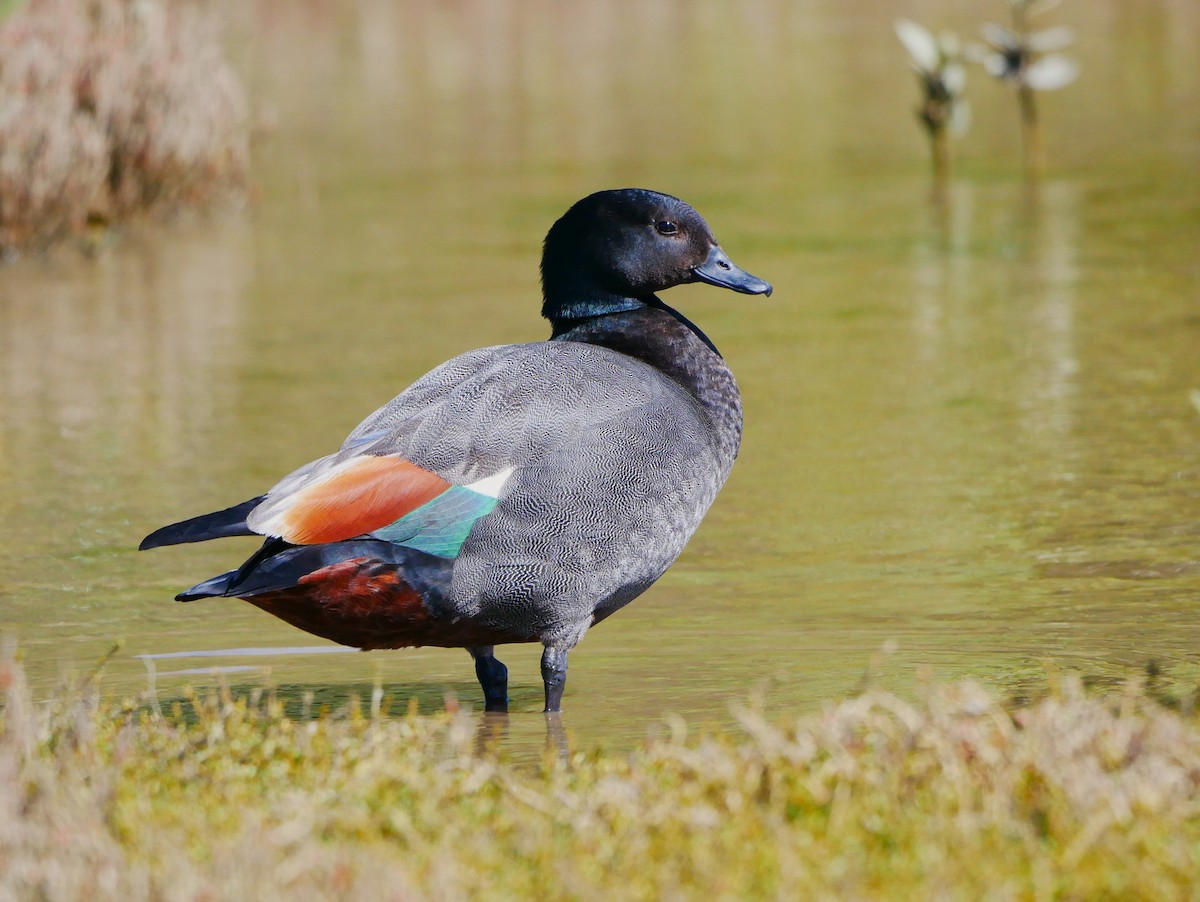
x=554, y=676
x=493, y=677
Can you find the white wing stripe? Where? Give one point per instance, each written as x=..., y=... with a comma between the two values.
x=491, y=485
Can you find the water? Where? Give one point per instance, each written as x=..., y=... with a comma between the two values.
x=973, y=434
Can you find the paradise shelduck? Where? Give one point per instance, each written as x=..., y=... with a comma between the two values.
x=519, y=493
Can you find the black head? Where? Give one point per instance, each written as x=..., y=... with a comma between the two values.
x=614, y=249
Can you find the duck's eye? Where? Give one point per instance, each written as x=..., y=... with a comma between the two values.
x=666, y=227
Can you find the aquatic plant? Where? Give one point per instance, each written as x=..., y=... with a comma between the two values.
x=109, y=108
x=954, y=795
x=937, y=62
x=1022, y=58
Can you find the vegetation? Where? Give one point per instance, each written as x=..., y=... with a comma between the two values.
x=1017, y=56
x=954, y=796
x=109, y=108
x=937, y=61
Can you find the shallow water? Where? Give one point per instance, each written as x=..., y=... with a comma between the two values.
x=972, y=426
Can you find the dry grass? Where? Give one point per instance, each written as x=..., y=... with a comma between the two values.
x=1074, y=797
x=109, y=108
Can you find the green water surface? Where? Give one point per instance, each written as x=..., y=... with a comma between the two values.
x=972, y=425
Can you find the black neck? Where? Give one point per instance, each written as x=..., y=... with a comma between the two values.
x=583, y=318
x=566, y=316
x=574, y=292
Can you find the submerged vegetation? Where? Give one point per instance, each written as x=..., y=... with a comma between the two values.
x=953, y=796
x=109, y=108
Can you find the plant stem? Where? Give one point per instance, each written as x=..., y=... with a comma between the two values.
x=939, y=145
x=1031, y=136
x=1031, y=133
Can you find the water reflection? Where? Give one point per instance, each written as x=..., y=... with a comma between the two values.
x=128, y=353
x=1047, y=387
x=529, y=83
x=493, y=737
x=251, y=652
x=1034, y=270
x=941, y=267
x=112, y=372
x=968, y=426
x=492, y=733
x=204, y=671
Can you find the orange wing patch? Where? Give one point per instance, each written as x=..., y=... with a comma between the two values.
x=369, y=494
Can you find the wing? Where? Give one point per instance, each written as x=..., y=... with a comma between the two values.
x=420, y=471
x=345, y=499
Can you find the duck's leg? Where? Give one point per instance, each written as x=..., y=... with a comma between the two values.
x=554, y=676
x=493, y=677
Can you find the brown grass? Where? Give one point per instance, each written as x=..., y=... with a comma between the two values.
x=109, y=108
x=951, y=797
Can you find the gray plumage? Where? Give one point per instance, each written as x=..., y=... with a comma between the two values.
x=614, y=467
x=615, y=435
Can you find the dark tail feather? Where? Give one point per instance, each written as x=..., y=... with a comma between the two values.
x=281, y=565
x=217, y=525
x=221, y=585
x=210, y=588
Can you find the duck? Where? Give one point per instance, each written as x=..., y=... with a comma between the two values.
x=518, y=493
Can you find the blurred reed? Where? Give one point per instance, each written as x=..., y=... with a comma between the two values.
x=109, y=108
x=955, y=795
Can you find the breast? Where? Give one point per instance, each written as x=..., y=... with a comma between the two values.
x=598, y=511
